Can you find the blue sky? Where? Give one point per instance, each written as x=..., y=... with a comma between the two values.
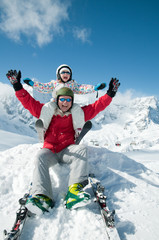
x=98, y=39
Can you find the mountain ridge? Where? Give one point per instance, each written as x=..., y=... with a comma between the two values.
x=125, y=120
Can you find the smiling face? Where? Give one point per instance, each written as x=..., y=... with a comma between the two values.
x=64, y=103
x=65, y=75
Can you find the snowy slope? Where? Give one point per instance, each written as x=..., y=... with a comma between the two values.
x=131, y=186
x=13, y=117
x=9, y=139
x=131, y=177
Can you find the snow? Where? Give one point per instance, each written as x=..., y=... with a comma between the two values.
x=9, y=139
x=130, y=172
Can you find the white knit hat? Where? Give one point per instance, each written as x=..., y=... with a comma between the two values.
x=64, y=69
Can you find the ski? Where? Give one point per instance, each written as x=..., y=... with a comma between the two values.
x=21, y=216
x=39, y=126
x=87, y=126
x=107, y=215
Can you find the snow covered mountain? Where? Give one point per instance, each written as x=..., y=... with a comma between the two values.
x=13, y=117
x=131, y=178
x=125, y=125
x=128, y=124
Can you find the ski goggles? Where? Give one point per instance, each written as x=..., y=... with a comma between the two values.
x=63, y=72
x=65, y=99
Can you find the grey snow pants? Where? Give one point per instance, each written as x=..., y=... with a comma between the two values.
x=75, y=155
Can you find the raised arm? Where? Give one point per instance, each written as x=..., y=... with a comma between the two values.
x=86, y=88
x=23, y=96
x=92, y=110
x=41, y=87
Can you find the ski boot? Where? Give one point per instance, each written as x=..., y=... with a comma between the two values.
x=76, y=197
x=39, y=204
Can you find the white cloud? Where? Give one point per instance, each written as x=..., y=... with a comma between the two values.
x=82, y=34
x=37, y=19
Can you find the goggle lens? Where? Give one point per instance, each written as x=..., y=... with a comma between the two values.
x=65, y=99
x=66, y=73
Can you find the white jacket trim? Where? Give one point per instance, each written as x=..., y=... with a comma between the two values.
x=49, y=109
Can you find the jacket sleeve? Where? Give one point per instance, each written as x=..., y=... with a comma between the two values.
x=83, y=88
x=29, y=102
x=44, y=87
x=92, y=110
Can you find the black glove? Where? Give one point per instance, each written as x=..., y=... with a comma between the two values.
x=113, y=87
x=14, y=79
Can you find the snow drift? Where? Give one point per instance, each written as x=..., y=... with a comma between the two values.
x=129, y=171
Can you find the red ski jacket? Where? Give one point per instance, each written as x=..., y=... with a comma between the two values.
x=60, y=133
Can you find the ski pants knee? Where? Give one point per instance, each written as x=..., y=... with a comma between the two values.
x=75, y=155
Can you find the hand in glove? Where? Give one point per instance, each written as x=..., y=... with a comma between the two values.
x=28, y=81
x=113, y=87
x=100, y=86
x=14, y=79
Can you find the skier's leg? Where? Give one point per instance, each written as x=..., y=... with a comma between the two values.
x=41, y=177
x=76, y=156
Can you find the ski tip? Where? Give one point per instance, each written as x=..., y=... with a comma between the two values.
x=89, y=123
x=39, y=124
x=5, y=235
